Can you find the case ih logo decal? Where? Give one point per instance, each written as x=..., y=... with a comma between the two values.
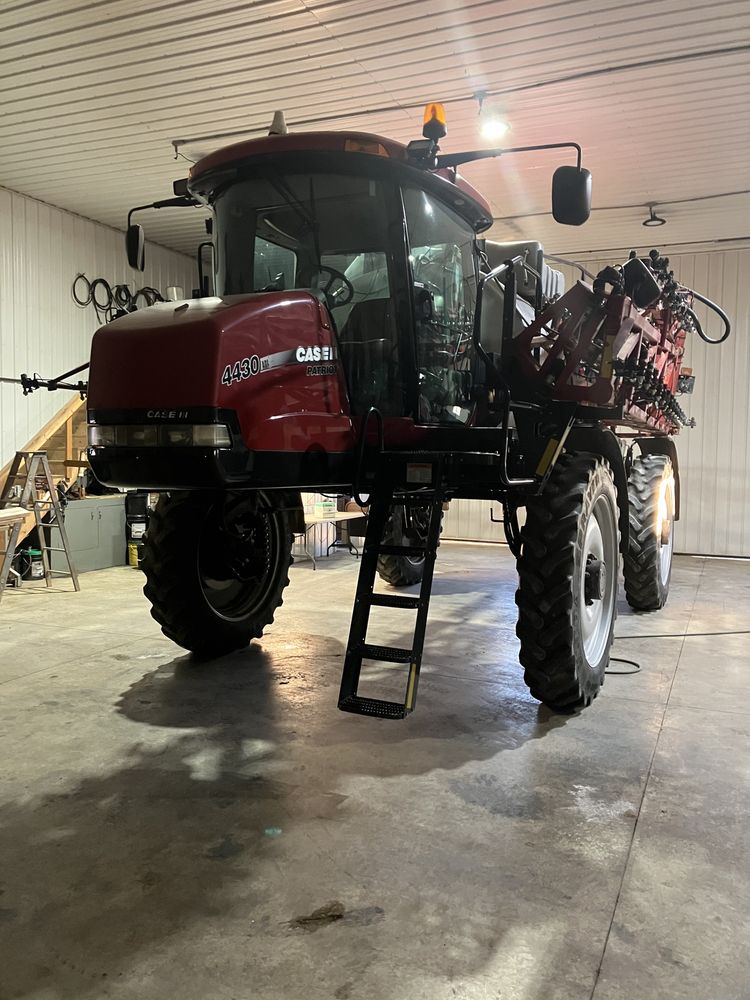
x=324, y=353
x=254, y=365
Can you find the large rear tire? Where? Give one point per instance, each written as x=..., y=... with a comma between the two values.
x=648, y=562
x=216, y=565
x=403, y=529
x=568, y=578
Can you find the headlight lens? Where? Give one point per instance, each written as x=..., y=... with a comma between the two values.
x=211, y=436
x=102, y=437
x=159, y=436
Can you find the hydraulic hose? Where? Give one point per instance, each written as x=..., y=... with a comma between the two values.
x=719, y=312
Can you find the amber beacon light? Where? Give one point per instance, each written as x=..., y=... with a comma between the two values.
x=435, y=125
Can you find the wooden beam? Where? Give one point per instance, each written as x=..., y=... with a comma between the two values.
x=69, y=438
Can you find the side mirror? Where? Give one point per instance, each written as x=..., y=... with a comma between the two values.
x=135, y=245
x=571, y=195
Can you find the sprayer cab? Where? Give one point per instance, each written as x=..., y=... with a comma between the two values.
x=346, y=272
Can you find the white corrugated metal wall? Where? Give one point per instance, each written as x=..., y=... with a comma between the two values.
x=42, y=249
x=715, y=455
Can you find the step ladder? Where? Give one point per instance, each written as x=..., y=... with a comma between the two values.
x=30, y=470
x=358, y=649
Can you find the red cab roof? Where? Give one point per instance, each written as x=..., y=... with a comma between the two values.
x=334, y=142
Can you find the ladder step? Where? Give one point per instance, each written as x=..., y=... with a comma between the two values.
x=374, y=707
x=401, y=550
x=52, y=548
x=387, y=654
x=395, y=601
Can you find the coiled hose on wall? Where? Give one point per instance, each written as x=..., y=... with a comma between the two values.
x=109, y=301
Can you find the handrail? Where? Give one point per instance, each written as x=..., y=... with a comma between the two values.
x=570, y=263
x=372, y=412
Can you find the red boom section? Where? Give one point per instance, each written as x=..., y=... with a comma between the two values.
x=599, y=349
x=270, y=357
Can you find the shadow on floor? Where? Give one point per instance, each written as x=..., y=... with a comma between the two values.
x=124, y=860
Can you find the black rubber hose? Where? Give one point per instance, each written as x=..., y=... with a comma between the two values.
x=122, y=296
x=719, y=312
x=76, y=298
x=97, y=284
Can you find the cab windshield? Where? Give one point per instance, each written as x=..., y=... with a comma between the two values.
x=324, y=232
x=328, y=233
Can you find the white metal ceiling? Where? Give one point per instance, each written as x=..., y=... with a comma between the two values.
x=656, y=91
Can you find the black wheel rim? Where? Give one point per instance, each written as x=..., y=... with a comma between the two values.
x=238, y=555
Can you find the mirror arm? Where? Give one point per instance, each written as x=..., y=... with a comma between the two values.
x=456, y=159
x=166, y=203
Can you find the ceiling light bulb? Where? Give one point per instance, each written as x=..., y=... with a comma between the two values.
x=492, y=126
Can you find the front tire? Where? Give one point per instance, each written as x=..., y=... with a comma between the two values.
x=648, y=562
x=216, y=565
x=568, y=578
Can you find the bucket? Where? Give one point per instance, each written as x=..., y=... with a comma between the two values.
x=36, y=566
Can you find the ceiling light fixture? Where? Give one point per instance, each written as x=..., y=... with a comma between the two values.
x=492, y=124
x=653, y=219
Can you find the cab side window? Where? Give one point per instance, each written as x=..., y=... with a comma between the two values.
x=445, y=288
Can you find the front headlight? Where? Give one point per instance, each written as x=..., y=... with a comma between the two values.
x=159, y=436
x=102, y=437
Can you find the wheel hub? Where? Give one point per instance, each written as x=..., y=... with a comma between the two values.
x=595, y=580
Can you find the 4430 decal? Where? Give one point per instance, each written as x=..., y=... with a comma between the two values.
x=240, y=370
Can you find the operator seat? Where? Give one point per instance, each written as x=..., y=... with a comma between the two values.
x=368, y=320
x=368, y=341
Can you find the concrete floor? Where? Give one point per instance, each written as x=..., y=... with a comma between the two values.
x=220, y=832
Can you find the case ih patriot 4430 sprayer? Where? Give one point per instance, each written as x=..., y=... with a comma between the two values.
x=365, y=340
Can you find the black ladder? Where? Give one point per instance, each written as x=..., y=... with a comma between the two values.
x=358, y=648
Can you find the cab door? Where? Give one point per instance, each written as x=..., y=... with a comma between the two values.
x=443, y=263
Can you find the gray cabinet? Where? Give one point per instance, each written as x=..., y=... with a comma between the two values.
x=96, y=533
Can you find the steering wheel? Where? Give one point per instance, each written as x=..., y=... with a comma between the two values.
x=342, y=296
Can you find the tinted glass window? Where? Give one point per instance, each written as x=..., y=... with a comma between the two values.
x=331, y=234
